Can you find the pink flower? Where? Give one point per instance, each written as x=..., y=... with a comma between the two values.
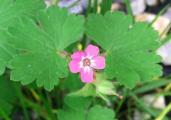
x=86, y=62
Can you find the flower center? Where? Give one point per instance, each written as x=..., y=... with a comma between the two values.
x=86, y=62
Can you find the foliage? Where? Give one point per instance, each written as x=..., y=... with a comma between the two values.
x=124, y=48
x=36, y=44
x=10, y=11
x=78, y=109
x=40, y=51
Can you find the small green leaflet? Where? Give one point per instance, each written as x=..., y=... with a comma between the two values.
x=81, y=111
x=9, y=11
x=130, y=49
x=40, y=45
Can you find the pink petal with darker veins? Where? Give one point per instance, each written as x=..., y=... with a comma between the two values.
x=78, y=55
x=86, y=76
x=92, y=50
x=99, y=62
x=74, y=66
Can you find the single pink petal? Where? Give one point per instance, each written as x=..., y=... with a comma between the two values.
x=78, y=55
x=74, y=66
x=99, y=62
x=92, y=50
x=86, y=76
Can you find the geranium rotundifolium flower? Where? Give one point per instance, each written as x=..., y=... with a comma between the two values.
x=86, y=62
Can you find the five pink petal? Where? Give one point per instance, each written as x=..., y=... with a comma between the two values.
x=87, y=73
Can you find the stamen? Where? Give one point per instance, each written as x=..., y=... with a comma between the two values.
x=86, y=62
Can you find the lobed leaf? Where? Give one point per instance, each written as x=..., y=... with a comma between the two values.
x=10, y=10
x=40, y=46
x=130, y=48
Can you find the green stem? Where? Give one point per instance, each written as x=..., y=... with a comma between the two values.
x=160, y=13
x=121, y=101
x=129, y=9
x=105, y=6
x=142, y=105
x=89, y=7
x=103, y=97
x=48, y=106
x=166, y=31
x=49, y=100
x=21, y=99
x=95, y=6
x=166, y=39
x=164, y=112
x=40, y=110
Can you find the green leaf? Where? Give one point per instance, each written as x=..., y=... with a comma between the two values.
x=78, y=109
x=77, y=103
x=40, y=46
x=106, y=6
x=72, y=83
x=9, y=11
x=130, y=49
x=74, y=108
x=99, y=113
x=71, y=115
x=86, y=91
x=6, y=51
x=95, y=113
x=151, y=86
x=8, y=96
